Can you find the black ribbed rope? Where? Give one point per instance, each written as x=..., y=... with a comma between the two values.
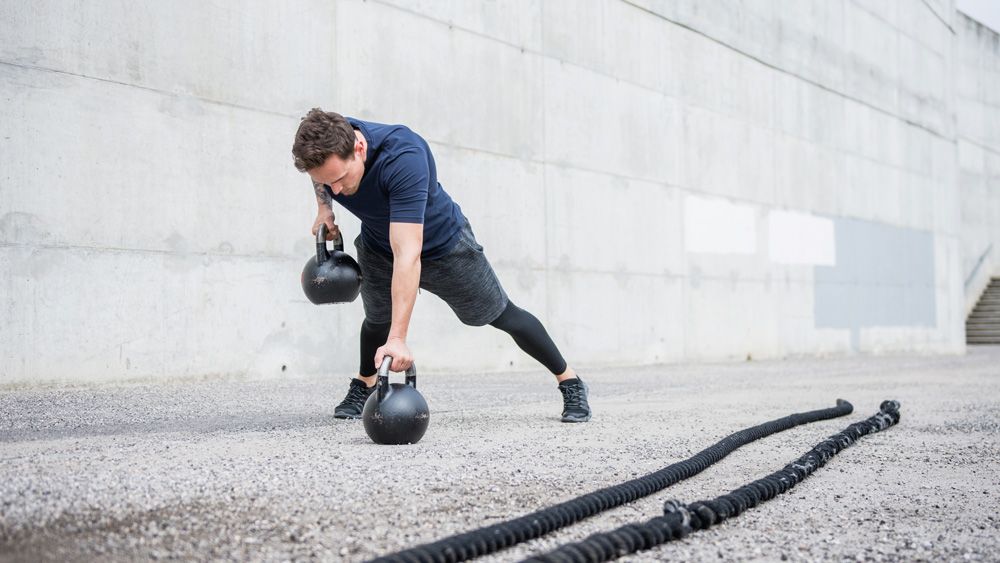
x=679, y=520
x=489, y=539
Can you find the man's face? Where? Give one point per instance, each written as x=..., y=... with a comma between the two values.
x=342, y=175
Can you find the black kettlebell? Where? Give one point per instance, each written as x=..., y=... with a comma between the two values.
x=331, y=277
x=396, y=413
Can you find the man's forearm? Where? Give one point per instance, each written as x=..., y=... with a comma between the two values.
x=405, y=281
x=323, y=198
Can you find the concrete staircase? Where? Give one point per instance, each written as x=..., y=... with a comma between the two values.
x=983, y=325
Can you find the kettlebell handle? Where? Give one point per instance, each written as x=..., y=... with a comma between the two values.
x=383, y=377
x=322, y=254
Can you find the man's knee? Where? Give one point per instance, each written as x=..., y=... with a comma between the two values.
x=512, y=319
x=480, y=316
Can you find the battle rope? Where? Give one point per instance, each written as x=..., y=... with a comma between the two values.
x=679, y=520
x=489, y=539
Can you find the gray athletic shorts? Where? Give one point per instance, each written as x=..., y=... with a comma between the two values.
x=463, y=278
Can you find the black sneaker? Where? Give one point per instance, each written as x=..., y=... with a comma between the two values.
x=354, y=402
x=575, y=407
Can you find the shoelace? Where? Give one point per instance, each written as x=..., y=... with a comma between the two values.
x=357, y=396
x=573, y=396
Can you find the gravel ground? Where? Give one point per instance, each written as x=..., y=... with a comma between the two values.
x=259, y=470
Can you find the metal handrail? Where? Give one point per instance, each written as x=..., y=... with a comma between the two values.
x=979, y=263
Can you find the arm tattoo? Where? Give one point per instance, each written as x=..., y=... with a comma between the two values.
x=322, y=193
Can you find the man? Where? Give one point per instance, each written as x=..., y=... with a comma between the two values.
x=413, y=235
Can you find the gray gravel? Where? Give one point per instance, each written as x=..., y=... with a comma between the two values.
x=259, y=470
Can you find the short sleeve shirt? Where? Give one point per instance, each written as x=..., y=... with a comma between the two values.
x=400, y=185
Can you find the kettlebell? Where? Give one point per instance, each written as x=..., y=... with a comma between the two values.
x=396, y=413
x=331, y=277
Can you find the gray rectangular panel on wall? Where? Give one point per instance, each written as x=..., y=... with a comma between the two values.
x=884, y=276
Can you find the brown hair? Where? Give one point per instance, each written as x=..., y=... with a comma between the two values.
x=321, y=134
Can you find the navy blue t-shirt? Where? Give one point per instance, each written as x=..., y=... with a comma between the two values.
x=400, y=186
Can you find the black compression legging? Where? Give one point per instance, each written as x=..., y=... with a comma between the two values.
x=526, y=330
x=372, y=336
x=529, y=334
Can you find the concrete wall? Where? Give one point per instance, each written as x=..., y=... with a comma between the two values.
x=151, y=223
x=978, y=141
x=656, y=180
